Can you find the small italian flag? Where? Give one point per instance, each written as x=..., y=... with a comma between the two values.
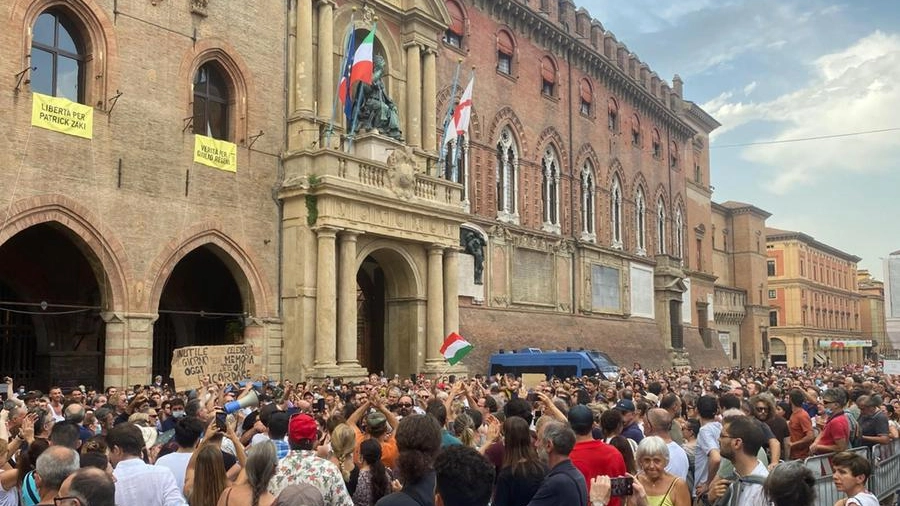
x=455, y=348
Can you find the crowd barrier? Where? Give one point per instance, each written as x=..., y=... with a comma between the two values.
x=885, y=479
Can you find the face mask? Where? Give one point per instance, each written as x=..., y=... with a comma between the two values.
x=178, y=414
x=98, y=430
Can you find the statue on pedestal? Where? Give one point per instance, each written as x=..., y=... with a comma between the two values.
x=474, y=245
x=376, y=110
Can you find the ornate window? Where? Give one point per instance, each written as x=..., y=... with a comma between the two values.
x=507, y=177
x=588, y=217
x=615, y=203
x=613, y=115
x=660, y=226
x=457, y=30
x=550, y=191
x=505, y=51
x=640, y=221
x=587, y=97
x=679, y=233
x=656, y=144
x=635, y=131
x=548, y=77
x=456, y=161
x=211, y=101
x=58, y=57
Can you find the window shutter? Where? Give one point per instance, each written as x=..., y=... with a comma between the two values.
x=504, y=43
x=548, y=70
x=457, y=19
x=586, y=93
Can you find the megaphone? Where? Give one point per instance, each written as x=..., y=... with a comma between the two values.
x=251, y=399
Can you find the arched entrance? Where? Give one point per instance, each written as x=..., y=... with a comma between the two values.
x=51, y=296
x=778, y=352
x=201, y=304
x=390, y=312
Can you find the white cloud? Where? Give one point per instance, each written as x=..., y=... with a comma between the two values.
x=749, y=88
x=852, y=90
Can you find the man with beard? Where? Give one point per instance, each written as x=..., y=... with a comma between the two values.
x=564, y=485
x=739, y=442
x=404, y=407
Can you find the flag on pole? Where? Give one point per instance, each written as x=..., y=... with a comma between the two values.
x=463, y=111
x=455, y=348
x=360, y=68
x=344, y=86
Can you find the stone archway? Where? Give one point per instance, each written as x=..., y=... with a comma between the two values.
x=778, y=353
x=390, y=327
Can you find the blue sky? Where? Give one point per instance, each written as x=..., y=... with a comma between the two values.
x=772, y=70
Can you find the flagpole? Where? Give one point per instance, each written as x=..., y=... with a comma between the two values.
x=448, y=117
x=356, y=103
x=344, y=63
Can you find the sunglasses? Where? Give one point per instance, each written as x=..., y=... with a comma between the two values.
x=405, y=405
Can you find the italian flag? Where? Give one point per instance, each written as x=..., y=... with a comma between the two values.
x=455, y=348
x=362, y=67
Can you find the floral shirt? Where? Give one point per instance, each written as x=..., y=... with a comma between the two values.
x=302, y=466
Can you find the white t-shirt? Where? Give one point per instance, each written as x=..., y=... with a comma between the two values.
x=707, y=441
x=678, y=461
x=177, y=463
x=864, y=498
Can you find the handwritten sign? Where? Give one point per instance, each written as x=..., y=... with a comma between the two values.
x=215, y=153
x=62, y=115
x=227, y=363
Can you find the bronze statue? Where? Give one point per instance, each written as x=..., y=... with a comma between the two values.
x=376, y=110
x=474, y=245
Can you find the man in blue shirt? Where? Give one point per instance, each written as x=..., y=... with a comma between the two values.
x=564, y=485
x=632, y=430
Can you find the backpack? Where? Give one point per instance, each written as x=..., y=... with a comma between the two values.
x=732, y=494
x=855, y=436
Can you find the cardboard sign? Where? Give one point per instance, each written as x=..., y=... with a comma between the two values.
x=533, y=380
x=228, y=363
x=892, y=366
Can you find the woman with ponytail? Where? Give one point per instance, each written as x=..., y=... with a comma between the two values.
x=261, y=462
x=343, y=441
x=371, y=478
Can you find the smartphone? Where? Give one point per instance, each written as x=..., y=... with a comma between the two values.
x=622, y=485
x=532, y=397
x=320, y=405
x=220, y=420
x=538, y=414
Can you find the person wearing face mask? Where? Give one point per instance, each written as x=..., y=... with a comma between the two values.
x=835, y=436
x=177, y=405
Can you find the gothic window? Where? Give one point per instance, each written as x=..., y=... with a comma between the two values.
x=588, y=218
x=456, y=161
x=550, y=191
x=587, y=97
x=211, y=102
x=657, y=145
x=457, y=30
x=673, y=155
x=613, y=115
x=58, y=57
x=640, y=221
x=507, y=177
x=679, y=233
x=660, y=226
x=548, y=77
x=635, y=131
x=505, y=52
x=615, y=203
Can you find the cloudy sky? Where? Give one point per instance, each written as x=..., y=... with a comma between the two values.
x=783, y=70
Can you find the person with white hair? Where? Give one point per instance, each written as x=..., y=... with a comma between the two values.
x=662, y=488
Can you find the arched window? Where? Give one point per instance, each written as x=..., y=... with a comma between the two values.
x=588, y=221
x=457, y=30
x=660, y=226
x=635, y=131
x=673, y=155
x=507, y=177
x=548, y=77
x=58, y=57
x=640, y=224
x=211, y=102
x=613, y=115
x=550, y=190
x=679, y=234
x=456, y=161
x=587, y=97
x=505, y=51
x=657, y=145
x=615, y=203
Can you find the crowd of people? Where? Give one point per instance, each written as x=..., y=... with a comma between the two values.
x=654, y=438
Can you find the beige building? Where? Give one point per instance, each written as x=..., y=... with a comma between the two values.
x=741, y=307
x=815, y=313
x=872, y=320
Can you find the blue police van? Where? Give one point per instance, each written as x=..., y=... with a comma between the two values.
x=562, y=364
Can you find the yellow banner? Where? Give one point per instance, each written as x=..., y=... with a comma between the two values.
x=62, y=115
x=215, y=153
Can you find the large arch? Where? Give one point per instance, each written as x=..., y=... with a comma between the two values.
x=393, y=268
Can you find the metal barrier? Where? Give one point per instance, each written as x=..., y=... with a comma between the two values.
x=884, y=481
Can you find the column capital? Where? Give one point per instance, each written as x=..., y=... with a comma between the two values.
x=435, y=249
x=414, y=44
x=452, y=250
x=326, y=3
x=349, y=234
x=326, y=231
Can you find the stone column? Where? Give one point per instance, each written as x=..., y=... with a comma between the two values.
x=451, y=291
x=303, y=80
x=325, y=298
x=413, y=95
x=326, y=58
x=429, y=102
x=347, y=300
x=435, y=319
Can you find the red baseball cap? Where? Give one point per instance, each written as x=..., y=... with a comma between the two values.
x=301, y=427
